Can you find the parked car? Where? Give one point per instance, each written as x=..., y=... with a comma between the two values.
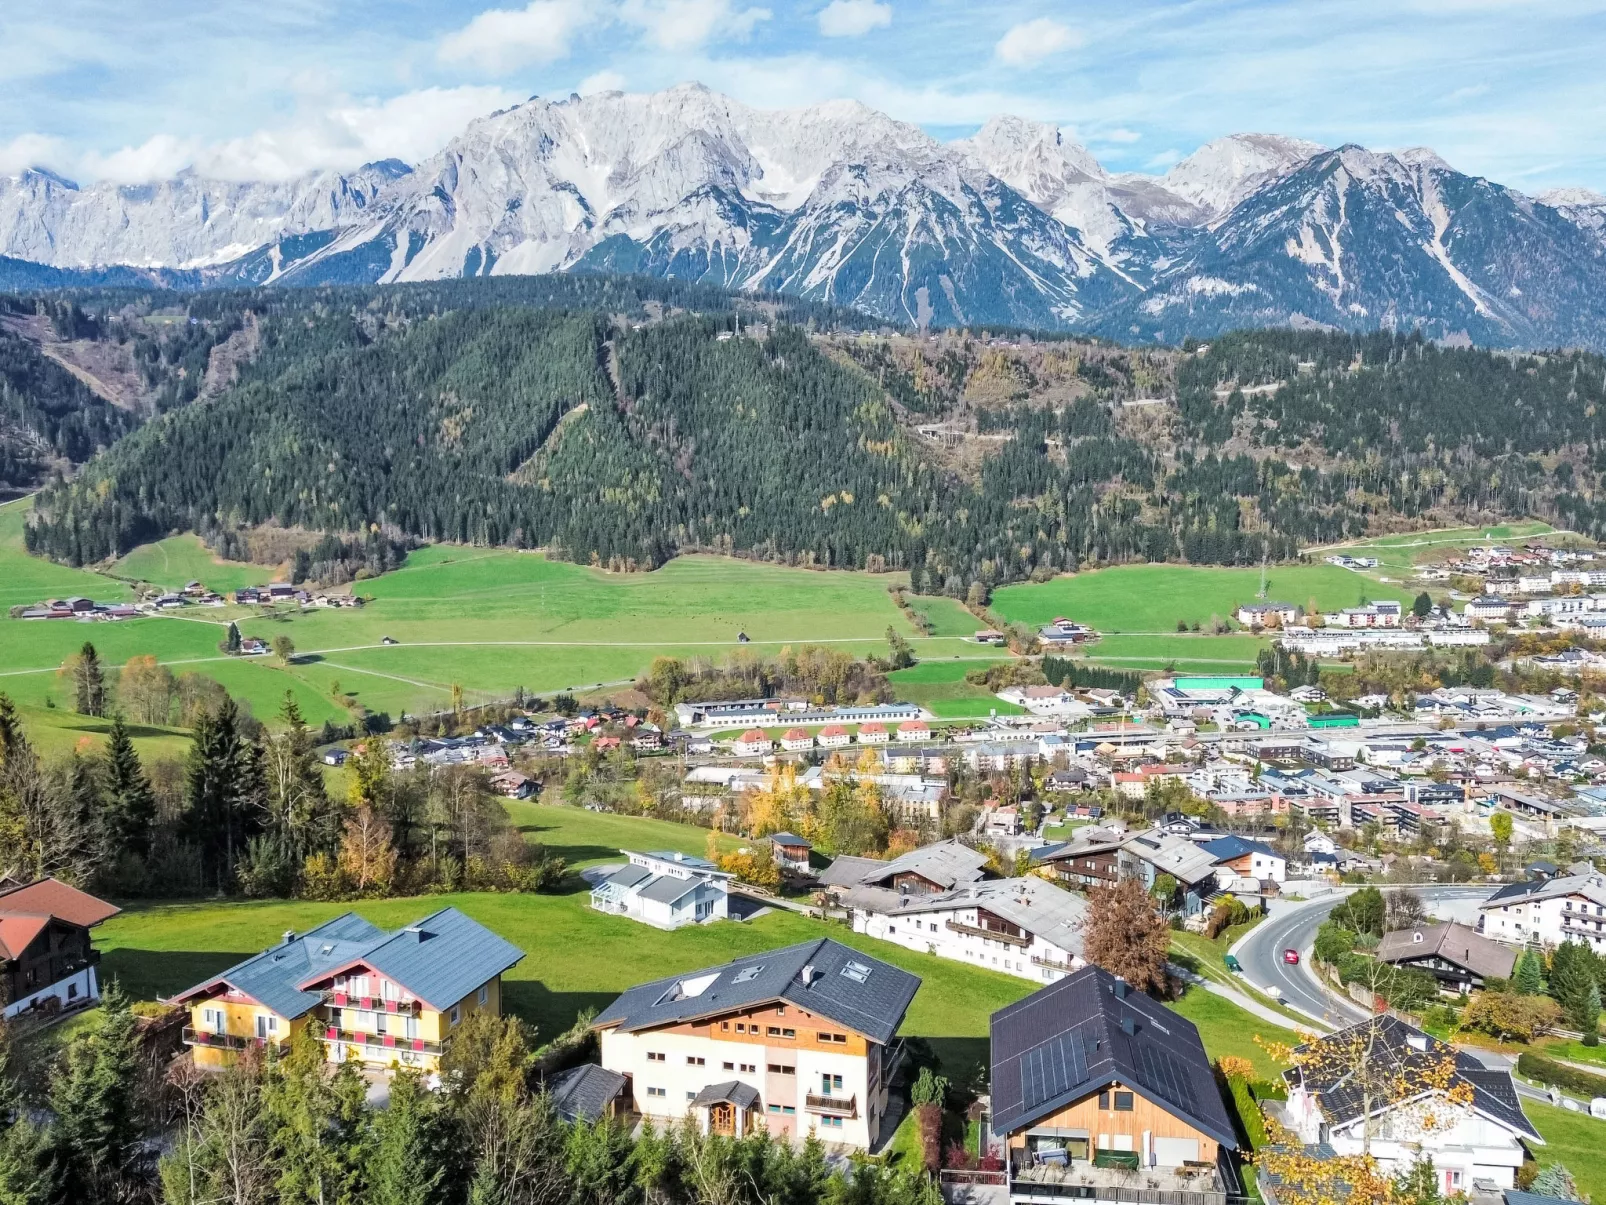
x=1291, y=957
x=1232, y=964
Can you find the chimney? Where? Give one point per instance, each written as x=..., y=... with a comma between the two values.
x=1121, y=989
x=809, y=974
x=1418, y=1041
x=289, y=936
x=1128, y=1027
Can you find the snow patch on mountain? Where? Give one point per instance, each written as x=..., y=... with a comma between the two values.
x=1221, y=173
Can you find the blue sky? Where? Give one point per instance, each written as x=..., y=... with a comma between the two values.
x=246, y=88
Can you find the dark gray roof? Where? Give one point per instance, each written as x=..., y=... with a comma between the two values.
x=440, y=959
x=583, y=1093
x=666, y=889
x=1224, y=849
x=1514, y=1196
x=1493, y=1093
x=1458, y=944
x=272, y=978
x=790, y=839
x=732, y=1091
x=1070, y=1038
x=855, y=990
x=629, y=875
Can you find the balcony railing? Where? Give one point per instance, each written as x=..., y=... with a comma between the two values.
x=831, y=1104
x=1051, y=964
x=223, y=1041
x=1047, y=1190
x=372, y=1004
x=375, y=1044
x=981, y=931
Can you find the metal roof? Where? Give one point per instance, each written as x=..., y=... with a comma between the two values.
x=1458, y=944
x=852, y=989
x=946, y=863
x=1076, y=1036
x=1038, y=907
x=666, y=889
x=1224, y=849
x=439, y=959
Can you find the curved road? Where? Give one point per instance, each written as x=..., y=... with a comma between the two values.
x=1261, y=954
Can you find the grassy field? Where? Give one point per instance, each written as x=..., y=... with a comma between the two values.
x=1398, y=554
x=179, y=560
x=1150, y=599
x=940, y=687
x=578, y=959
x=945, y=615
x=1572, y=1139
x=1202, y=654
x=25, y=579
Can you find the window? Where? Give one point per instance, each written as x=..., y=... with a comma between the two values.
x=725, y=1025
x=457, y=1014
x=750, y=1068
x=727, y=1066
x=696, y=1060
x=832, y=1037
x=656, y=1092
x=691, y=1096
x=778, y=1069
x=788, y=1109
x=780, y=1010
x=741, y=1028
x=830, y=1083
x=775, y=1108
x=834, y=1123
x=789, y=1033
x=1123, y=1102
x=774, y=1031
x=655, y=1056
x=1104, y=1099
x=485, y=993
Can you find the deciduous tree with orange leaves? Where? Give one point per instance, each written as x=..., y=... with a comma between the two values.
x=1124, y=933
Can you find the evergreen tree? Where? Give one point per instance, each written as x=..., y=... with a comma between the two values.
x=232, y=641
x=130, y=804
x=99, y=1118
x=1423, y=606
x=1527, y=977
x=88, y=682
x=408, y=1153
x=224, y=791
x=316, y=1126
x=303, y=818
x=1588, y=1016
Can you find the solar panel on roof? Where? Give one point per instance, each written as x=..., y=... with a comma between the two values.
x=1165, y=1077
x=747, y=974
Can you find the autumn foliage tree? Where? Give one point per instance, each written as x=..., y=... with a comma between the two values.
x=1125, y=934
x=367, y=858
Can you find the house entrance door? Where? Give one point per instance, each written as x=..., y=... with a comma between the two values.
x=722, y=1118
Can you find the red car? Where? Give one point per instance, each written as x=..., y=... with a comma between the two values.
x=1291, y=956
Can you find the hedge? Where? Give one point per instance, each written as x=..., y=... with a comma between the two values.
x=1249, y=1117
x=1548, y=1071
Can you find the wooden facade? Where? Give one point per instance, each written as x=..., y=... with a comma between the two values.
x=1098, y=1122
x=58, y=950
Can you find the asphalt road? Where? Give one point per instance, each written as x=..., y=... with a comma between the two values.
x=1261, y=954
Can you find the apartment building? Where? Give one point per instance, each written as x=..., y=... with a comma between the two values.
x=384, y=1000
x=1548, y=912
x=799, y=1040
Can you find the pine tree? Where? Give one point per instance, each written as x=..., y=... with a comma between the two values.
x=88, y=682
x=305, y=820
x=316, y=1126
x=130, y=804
x=1588, y=1016
x=224, y=791
x=1527, y=978
x=408, y=1150
x=99, y=1116
x=232, y=641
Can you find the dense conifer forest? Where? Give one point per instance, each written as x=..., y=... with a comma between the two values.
x=618, y=421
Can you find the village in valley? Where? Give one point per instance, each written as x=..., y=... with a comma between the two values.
x=1389, y=836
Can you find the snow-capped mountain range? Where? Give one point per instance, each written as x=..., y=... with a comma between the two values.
x=1016, y=224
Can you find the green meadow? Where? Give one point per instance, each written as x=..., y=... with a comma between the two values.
x=940, y=687
x=1151, y=599
x=1399, y=554
x=179, y=560
x=25, y=579
x=576, y=958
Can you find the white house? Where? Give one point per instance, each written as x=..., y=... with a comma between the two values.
x=1024, y=927
x=1264, y=614
x=1248, y=859
x=1481, y=1139
x=873, y=733
x=666, y=889
x=800, y=1040
x=1548, y=911
x=797, y=740
x=1383, y=614
x=750, y=742
x=1489, y=608
x=1046, y=700
x=914, y=730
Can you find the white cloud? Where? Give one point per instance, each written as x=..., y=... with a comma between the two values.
x=156, y=158
x=1030, y=42
x=1163, y=160
x=688, y=24
x=30, y=150
x=1120, y=134
x=853, y=18
x=500, y=40
x=601, y=81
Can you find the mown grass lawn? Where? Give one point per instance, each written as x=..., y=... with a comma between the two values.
x=179, y=560
x=26, y=579
x=1152, y=598
x=1576, y=1140
x=577, y=958
x=939, y=686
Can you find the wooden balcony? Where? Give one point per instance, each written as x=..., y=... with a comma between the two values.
x=982, y=931
x=831, y=1104
x=403, y=1008
x=223, y=1041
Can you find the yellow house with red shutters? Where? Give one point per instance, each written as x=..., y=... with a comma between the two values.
x=377, y=998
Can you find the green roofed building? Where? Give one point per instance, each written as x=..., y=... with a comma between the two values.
x=1222, y=683
x=1335, y=719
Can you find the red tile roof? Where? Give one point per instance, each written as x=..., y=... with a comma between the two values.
x=52, y=897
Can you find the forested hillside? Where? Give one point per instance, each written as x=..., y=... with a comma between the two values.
x=606, y=420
